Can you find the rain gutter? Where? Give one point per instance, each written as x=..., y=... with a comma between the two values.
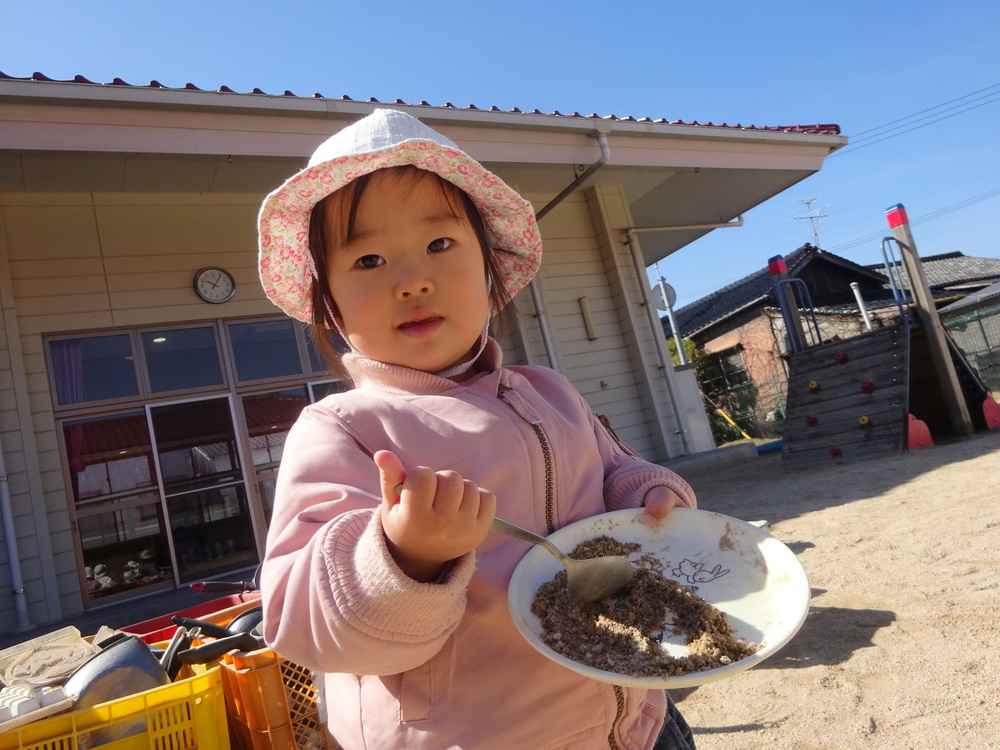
x=13, y=554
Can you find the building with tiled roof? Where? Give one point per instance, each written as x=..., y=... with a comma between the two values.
x=973, y=322
x=741, y=329
x=113, y=196
x=954, y=271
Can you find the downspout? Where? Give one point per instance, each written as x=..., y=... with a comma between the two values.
x=737, y=222
x=13, y=555
x=666, y=365
x=548, y=340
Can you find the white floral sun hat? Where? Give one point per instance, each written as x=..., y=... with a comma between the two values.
x=385, y=138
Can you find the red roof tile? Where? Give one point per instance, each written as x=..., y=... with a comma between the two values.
x=817, y=129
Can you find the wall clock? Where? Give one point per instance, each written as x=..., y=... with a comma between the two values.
x=214, y=285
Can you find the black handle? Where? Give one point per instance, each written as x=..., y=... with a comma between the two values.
x=214, y=649
x=207, y=628
x=178, y=644
x=238, y=587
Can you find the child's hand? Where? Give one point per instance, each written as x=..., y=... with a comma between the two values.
x=434, y=518
x=659, y=501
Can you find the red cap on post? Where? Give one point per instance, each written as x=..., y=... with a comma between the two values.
x=777, y=265
x=896, y=215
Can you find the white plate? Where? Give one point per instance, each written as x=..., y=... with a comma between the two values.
x=737, y=567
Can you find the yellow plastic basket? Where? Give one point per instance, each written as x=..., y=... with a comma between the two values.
x=188, y=714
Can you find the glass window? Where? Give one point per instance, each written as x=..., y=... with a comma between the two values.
x=196, y=443
x=202, y=479
x=264, y=349
x=212, y=531
x=323, y=389
x=181, y=358
x=265, y=488
x=124, y=548
x=119, y=516
x=316, y=360
x=94, y=368
x=269, y=418
x=109, y=456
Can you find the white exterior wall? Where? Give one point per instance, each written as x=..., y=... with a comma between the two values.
x=585, y=256
x=83, y=262
x=35, y=539
x=647, y=421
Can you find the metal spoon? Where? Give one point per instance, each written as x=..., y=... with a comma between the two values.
x=587, y=580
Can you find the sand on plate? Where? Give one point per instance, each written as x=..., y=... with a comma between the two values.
x=901, y=647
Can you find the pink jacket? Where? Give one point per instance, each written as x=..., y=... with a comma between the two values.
x=440, y=665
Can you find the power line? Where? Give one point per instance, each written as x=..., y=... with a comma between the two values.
x=910, y=121
x=849, y=149
x=936, y=106
x=918, y=220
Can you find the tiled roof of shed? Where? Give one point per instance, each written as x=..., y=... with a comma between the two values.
x=722, y=302
x=877, y=303
x=943, y=272
x=747, y=291
x=990, y=293
x=817, y=129
x=953, y=269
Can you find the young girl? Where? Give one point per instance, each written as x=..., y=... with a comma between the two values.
x=380, y=569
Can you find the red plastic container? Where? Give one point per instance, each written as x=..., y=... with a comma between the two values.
x=216, y=611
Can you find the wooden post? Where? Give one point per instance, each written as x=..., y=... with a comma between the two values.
x=951, y=389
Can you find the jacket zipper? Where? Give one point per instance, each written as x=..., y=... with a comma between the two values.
x=620, y=700
x=550, y=510
x=550, y=524
x=524, y=413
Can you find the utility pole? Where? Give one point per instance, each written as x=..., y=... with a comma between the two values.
x=666, y=301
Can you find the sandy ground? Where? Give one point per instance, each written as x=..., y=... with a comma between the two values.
x=900, y=648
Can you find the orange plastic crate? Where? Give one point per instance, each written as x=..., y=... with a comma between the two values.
x=271, y=704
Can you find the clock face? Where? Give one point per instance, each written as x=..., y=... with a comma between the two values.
x=214, y=285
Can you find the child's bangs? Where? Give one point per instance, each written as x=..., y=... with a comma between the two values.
x=341, y=208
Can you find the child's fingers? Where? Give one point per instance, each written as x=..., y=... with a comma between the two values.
x=391, y=474
x=658, y=503
x=487, y=505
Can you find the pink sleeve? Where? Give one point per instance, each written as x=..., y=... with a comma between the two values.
x=627, y=477
x=334, y=599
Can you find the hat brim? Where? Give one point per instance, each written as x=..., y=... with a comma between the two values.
x=286, y=265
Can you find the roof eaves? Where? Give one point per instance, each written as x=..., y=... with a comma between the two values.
x=81, y=87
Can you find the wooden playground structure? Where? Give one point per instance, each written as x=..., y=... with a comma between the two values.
x=884, y=391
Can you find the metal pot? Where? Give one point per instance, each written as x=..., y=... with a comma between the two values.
x=124, y=668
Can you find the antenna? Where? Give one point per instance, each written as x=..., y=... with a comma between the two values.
x=815, y=216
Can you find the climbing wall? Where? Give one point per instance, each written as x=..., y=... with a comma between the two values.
x=848, y=399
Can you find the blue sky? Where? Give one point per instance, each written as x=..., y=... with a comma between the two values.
x=915, y=85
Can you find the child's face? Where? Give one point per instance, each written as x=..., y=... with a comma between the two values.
x=410, y=285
